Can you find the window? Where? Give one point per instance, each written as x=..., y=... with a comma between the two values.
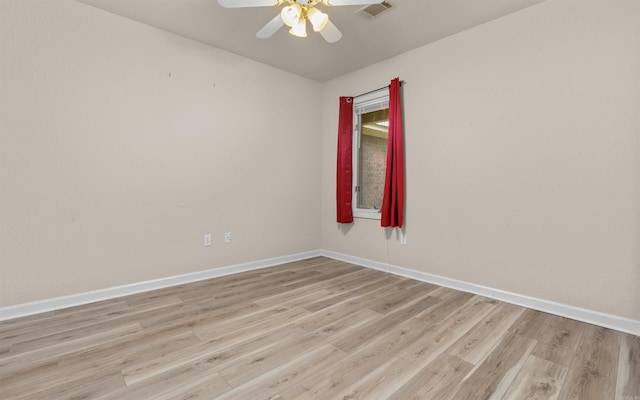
x=371, y=126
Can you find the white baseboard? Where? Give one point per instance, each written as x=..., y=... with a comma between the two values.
x=36, y=307
x=592, y=317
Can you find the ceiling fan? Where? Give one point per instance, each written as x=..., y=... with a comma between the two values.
x=295, y=15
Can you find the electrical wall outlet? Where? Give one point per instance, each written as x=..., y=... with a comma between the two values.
x=227, y=237
x=403, y=238
x=206, y=240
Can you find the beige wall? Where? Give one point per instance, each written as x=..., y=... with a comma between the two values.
x=111, y=171
x=522, y=154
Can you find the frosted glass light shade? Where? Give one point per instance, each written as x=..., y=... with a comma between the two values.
x=317, y=18
x=299, y=29
x=291, y=14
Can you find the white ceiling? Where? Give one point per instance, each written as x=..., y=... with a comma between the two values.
x=411, y=24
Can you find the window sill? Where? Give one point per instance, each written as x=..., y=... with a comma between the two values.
x=373, y=214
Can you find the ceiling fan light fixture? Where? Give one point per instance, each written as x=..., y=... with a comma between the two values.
x=292, y=14
x=317, y=18
x=299, y=29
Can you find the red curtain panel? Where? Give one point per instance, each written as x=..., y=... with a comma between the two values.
x=344, y=179
x=393, y=198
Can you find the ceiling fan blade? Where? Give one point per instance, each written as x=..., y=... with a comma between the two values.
x=270, y=28
x=247, y=3
x=351, y=2
x=330, y=33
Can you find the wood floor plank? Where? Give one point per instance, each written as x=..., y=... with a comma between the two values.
x=450, y=301
x=249, y=331
x=54, y=324
x=71, y=335
x=216, y=353
x=185, y=382
x=557, y=342
x=208, y=388
x=628, y=382
x=480, y=339
x=142, y=304
x=86, y=388
x=538, y=379
x=209, y=288
x=358, y=337
x=265, y=318
x=344, y=325
x=438, y=380
x=358, y=301
x=378, y=288
x=382, y=383
x=260, y=288
x=594, y=368
x=13, y=383
x=200, y=314
x=402, y=297
x=287, y=375
x=249, y=367
x=133, y=349
x=532, y=324
x=295, y=298
x=444, y=333
x=85, y=364
x=493, y=376
x=358, y=364
x=51, y=351
x=336, y=282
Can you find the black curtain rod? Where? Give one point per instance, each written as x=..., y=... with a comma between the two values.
x=376, y=90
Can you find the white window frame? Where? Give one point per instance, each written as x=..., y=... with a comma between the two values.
x=378, y=99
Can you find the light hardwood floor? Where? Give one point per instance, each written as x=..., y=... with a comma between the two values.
x=313, y=329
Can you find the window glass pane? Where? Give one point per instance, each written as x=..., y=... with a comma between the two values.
x=372, y=155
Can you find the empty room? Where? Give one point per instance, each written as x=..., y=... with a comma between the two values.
x=317, y=199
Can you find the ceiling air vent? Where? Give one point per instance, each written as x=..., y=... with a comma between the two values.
x=375, y=10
